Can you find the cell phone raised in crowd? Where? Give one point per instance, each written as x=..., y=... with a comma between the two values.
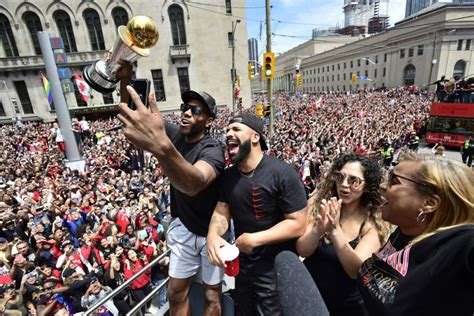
x=142, y=87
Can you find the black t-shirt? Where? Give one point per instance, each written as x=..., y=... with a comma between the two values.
x=434, y=276
x=261, y=201
x=195, y=211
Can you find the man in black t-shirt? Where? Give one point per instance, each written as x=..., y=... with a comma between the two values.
x=267, y=202
x=192, y=161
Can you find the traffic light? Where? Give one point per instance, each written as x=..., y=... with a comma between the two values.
x=266, y=110
x=354, y=78
x=250, y=69
x=239, y=103
x=259, y=109
x=268, y=65
x=299, y=81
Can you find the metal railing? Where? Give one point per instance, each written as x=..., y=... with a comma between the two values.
x=124, y=285
x=148, y=297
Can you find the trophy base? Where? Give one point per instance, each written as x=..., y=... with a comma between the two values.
x=96, y=78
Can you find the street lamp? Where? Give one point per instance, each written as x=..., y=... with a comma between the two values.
x=234, y=75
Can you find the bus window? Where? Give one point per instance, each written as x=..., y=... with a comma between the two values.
x=456, y=125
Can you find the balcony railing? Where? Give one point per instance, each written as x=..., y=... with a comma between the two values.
x=180, y=52
x=36, y=62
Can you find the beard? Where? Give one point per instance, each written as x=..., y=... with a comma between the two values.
x=194, y=130
x=244, y=150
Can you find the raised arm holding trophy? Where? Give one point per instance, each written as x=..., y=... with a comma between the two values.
x=134, y=41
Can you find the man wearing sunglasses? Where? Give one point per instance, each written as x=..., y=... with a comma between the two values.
x=192, y=160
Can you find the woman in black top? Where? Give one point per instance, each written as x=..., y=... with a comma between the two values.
x=342, y=233
x=114, y=277
x=431, y=199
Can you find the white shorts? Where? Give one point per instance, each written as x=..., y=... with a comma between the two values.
x=189, y=254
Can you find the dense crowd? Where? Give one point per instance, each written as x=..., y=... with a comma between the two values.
x=67, y=238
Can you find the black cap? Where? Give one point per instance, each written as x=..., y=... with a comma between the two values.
x=68, y=272
x=254, y=123
x=204, y=97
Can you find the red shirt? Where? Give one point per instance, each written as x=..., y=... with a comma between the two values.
x=142, y=280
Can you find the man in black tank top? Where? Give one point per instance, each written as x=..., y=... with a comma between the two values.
x=192, y=161
x=267, y=201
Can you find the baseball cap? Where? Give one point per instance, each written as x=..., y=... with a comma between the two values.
x=65, y=243
x=202, y=96
x=68, y=272
x=254, y=123
x=2, y=240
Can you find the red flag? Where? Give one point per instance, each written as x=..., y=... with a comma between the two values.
x=82, y=86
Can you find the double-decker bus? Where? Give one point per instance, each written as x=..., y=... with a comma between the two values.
x=450, y=123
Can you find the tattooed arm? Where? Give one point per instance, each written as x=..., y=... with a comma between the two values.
x=217, y=227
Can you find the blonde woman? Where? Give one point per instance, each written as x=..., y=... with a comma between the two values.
x=343, y=230
x=427, y=266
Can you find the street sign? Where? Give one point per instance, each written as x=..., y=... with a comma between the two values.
x=362, y=78
x=64, y=73
x=60, y=58
x=67, y=87
x=56, y=43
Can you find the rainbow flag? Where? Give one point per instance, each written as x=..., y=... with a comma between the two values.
x=47, y=88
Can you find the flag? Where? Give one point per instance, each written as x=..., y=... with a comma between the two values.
x=82, y=86
x=47, y=88
x=318, y=103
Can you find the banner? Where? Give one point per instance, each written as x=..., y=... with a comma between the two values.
x=47, y=88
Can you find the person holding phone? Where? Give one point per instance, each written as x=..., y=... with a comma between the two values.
x=192, y=160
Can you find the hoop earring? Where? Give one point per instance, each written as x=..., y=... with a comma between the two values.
x=421, y=216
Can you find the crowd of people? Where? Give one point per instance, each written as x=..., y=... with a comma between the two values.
x=68, y=238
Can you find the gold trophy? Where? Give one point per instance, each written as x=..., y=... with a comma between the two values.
x=134, y=41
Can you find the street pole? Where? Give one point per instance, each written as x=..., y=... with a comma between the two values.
x=62, y=111
x=234, y=73
x=269, y=81
x=432, y=57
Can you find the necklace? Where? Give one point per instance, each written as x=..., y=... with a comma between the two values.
x=247, y=174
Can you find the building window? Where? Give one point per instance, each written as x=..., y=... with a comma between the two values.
x=120, y=16
x=344, y=88
x=332, y=67
x=95, y=29
x=230, y=39
x=468, y=44
x=366, y=73
x=65, y=30
x=384, y=72
x=323, y=70
x=2, y=109
x=322, y=79
x=318, y=70
x=409, y=75
x=338, y=77
x=344, y=76
x=327, y=68
x=459, y=69
x=8, y=44
x=183, y=79
x=345, y=65
x=384, y=58
x=332, y=78
x=22, y=93
x=375, y=73
x=402, y=53
x=411, y=52
x=352, y=64
x=366, y=61
x=108, y=98
x=33, y=24
x=178, y=32
x=228, y=6
x=376, y=59
x=420, y=50
x=358, y=62
x=338, y=66
x=460, y=44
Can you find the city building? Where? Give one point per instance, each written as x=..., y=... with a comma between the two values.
x=416, y=51
x=187, y=56
x=365, y=16
x=414, y=6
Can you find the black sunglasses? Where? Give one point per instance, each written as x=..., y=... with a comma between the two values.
x=195, y=109
x=392, y=175
x=353, y=181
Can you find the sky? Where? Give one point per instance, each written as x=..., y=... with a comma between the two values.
x=297, y=18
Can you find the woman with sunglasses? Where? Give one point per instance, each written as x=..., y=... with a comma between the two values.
x=343, y=230
x=427, y=265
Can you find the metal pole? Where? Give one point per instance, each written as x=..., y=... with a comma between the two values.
x=269, y=81
x=62, y=111
x=233, y=67
x=139, y=305
x=432, y=57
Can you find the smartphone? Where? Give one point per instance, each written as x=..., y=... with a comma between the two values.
x=142, y=87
